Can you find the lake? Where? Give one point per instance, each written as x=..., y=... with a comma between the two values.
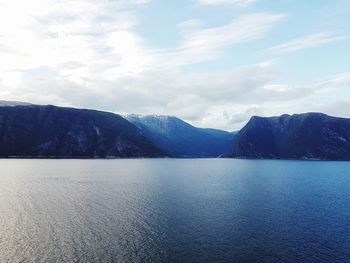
x=174, y=210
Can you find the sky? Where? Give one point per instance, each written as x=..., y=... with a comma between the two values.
x=213, y=63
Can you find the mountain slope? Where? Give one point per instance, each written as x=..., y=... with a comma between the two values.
x=180, y=139
x=298, y=136
x=49, y=131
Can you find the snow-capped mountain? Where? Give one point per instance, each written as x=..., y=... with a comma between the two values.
x=180, y=139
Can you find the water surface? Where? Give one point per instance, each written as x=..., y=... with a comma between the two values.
x=168, y=210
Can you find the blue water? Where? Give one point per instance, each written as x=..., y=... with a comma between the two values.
x=168, y=210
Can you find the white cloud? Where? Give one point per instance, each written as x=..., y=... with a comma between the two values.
x=276, y=99
x=337, y=80
x=307, y=42
x=130, y=50
x=206, y=44
x=100, y=37
x=226, y=2
x=189, y=25
x=48, y=33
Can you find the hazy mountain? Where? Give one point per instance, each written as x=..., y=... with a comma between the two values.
x=180, y=139
x=12, y=103
x=298, y=136
x=50, y=131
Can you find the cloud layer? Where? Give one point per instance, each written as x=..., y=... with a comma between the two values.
x=309, y=41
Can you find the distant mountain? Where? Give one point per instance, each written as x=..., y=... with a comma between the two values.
x=180, y=139
x=298, y=136
x=49, y=131
x=12, y=103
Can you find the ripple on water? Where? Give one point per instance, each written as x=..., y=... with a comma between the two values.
x=174, y=211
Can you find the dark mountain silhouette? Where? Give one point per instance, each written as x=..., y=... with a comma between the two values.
x=49, y=131
x=298, y=136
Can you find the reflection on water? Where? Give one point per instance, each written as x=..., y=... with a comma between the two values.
x=206, y=210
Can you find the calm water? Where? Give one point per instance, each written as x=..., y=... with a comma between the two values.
x=206, y=210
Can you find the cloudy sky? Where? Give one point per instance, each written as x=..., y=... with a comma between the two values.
x=213, y=63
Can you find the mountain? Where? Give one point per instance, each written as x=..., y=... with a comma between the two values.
x=13, y=103
x=180, y=139
x=49, y=131
x=298, y=136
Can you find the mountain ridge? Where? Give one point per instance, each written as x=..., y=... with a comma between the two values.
x=311, y=135
x=50, y=131
x=47, y=131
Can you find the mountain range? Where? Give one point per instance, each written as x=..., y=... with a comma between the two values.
x=48, y=131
